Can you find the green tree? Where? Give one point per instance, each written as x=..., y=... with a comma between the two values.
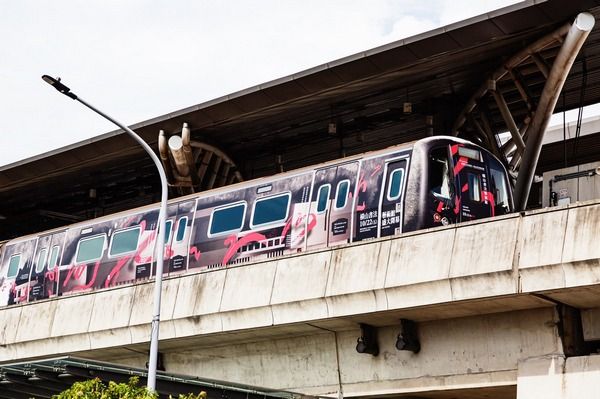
x=96, y=389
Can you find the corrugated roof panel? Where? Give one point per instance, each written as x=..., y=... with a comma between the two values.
x=515, y=23
x=222, y=111
x=556, y=10
x=472, y=35
x=252, y=101
x=87, y=152
x=394, y=58
x=359, y=69
x=316, y=82
x=285, y=92
x=4, y=179
x=433, y=46
x=195, y=119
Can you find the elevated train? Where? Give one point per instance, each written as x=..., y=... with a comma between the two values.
x=431, y=182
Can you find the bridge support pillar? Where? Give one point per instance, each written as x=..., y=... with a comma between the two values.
x=554, y=377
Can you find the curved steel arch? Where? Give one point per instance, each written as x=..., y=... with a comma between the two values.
x=194, y=166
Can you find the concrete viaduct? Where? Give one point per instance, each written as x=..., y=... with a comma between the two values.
x=504, y=308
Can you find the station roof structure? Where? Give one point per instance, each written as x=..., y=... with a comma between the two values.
x=288, y=118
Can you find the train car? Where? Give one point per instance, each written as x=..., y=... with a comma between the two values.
x=431, y=182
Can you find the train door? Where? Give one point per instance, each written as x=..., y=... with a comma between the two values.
x=332, y=204
x=177, y=236
x=470, y=171
x=45, y=270
x=391, y=197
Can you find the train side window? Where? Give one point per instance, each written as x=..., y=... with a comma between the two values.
x=168, y=225
x=124, y=241
x=474, y=187
x=440, y=181
x=395, y=185
x=181, y=225
x=41, y=260
x=341, y=194
x=226, y=219
x=273, y=209
x=323, y=198
x=13, y=265
x=90, y=249
x=52, y=263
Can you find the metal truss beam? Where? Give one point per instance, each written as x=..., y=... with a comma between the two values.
x=521, y=152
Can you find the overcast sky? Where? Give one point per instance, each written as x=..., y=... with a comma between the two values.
x=139, y=59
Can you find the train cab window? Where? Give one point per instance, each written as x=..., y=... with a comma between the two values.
x=13, y=265
x=272, y=209
x=341, y=194
x=440, y=181
x=52, y=263
x=90, y=249
x=41, y=260
x=124, y=241
x=499, y=189
x=474, y=187
x=168, y=226
x=226, y=219
x=323, y=198
x=395, y=184
x=181, y=225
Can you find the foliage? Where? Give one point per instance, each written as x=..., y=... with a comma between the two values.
x=201, y=395
x=96, y=389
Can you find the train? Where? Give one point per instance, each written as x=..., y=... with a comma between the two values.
x=431, y=182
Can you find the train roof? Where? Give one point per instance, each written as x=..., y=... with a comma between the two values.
x=438, y=70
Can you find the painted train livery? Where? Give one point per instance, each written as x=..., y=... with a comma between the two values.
x=431, y=182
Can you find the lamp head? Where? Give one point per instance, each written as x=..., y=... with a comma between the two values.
x=55, y=82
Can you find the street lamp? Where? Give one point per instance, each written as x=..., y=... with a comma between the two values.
x=162, y=215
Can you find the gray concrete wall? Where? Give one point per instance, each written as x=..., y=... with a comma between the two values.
x=456, y=354
x=487, y=267
x=554, y=377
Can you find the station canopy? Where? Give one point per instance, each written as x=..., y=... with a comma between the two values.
x=347, y=106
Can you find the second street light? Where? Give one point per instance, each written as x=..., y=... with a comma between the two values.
x=162, y=215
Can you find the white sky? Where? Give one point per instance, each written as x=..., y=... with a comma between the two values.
x=139, y=59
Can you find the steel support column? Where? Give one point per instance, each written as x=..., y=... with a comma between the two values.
x=573, y=42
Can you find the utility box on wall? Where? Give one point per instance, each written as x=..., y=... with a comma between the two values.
x=572, y=184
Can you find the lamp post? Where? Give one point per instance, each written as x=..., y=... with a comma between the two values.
x=162, y=215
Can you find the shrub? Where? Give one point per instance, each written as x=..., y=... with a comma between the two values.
x=96, y=389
